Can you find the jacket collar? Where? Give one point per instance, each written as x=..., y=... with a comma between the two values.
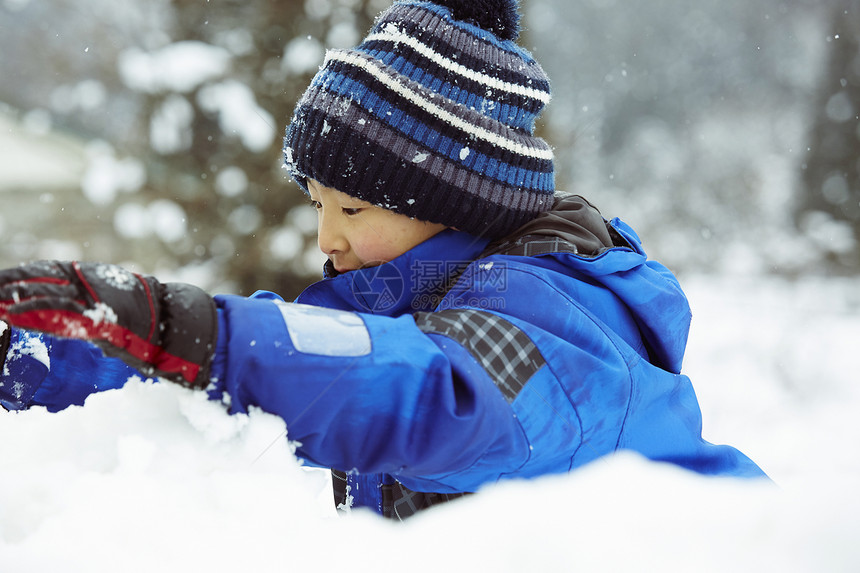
x=573, y=225
x=414, y=281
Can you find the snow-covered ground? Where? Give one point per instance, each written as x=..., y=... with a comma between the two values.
x=153, y=477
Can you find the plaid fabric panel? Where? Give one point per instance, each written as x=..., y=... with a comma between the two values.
x=400, y=502
x=533, y=245
x=502, y=349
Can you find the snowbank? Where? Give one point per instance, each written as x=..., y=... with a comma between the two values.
x=153, y=477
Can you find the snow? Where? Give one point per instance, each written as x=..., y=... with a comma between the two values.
x=839, y=108
x=343, y=35
x=239, y=114
x=162, y=218
x=27, y=345
x=15, y=5
x=23, y=143
x=153, y=476
x=245, y=219
x=170, y=125
x=130, y=221
x=168, y=220
x=302, y=55
x=231, y=181
x=106, y=175
x=178, y=67
x=100, y=313
x=85, y=95
x=284, y=243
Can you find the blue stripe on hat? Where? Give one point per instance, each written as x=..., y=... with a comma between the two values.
x=411, y=124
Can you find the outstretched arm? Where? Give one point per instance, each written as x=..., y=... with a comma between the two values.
x=406, y=395
x=373, y=393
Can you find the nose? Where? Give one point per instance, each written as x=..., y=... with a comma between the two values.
x=330, y=239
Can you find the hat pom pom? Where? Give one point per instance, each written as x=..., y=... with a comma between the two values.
x=501, y=17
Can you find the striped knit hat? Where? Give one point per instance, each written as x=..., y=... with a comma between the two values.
x=431, y=116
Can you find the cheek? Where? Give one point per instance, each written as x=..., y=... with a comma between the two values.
x=372, y=249
x=380, y=240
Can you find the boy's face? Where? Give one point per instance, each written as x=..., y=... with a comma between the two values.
x=356, y=234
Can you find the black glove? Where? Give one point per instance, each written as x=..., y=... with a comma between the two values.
x=163, y=329
x=5, y=337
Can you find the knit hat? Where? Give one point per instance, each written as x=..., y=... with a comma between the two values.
x=431, y=116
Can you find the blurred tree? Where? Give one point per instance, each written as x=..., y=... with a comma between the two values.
x=687, y=119
x=832, y=168
x=223, y=166
x=193, y=150
x=187, y=102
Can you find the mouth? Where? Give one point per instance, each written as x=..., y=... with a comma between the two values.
x=360, y=265
x=340, y=269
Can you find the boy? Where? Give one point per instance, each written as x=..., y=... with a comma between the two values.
x=473, y=325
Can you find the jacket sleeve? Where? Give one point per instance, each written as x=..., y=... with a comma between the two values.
x=448, y=400
x=40, y=370
x=378, y=394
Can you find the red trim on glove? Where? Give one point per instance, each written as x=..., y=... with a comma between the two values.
x=85, y=282
x=149, y=301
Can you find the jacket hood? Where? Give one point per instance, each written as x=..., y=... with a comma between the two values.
x=572, y=220
x=609, y=252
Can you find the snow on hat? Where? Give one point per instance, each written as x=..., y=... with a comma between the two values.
x=431, y=116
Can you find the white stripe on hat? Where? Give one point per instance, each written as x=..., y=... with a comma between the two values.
x=374, y=68
x=394, y=34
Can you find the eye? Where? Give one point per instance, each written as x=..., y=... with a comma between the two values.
x=351, y=211
x=316, y=205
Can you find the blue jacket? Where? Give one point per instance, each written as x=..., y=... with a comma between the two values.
x=462, y=363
